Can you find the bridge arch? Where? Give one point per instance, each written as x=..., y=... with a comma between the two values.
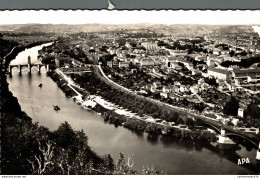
x=213, y=126
x=255, y=143
x=19, y=67
x=28, y=66
x=38, y=66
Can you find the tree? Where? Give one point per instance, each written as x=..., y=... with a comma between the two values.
x=165, y=115
x=249, y=124
x=240, y=123
x=205, y=51
x=253, y=111
x=229, y=123
x=122, y=167
x=64, y=136
x=232, y=53
x=155, y=115
x=141, y=113
x=109, y=164
x=43, y=163
x=200, y=107
x=190, y=122
x=231, y=107
x=180, y=121
x=151, y=171
x=199, y=122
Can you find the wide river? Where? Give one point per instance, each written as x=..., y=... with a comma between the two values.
x=175, y=156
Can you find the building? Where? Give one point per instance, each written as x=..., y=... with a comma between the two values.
x=166, y=89
x=157, y=84
x=113, y=64
x=222, y=85
x=172, y=62
x=183, y=88
x=110, y=64
x=133, y=71
x=240, y=112
x=151, y=88
x=201, y=58
x=147, y=62
x=175, y=89
x=210, y=63
x=150, y=45
x=164, y=95
x=57, y=61
x=123, y=64
x=180, y=53
x=174, y=65
x=177, y=52
x=219, y=73
x=250, y=75
x=188, y=65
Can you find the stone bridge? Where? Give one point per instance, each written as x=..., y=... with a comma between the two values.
x=227, y=131
x=29, y=67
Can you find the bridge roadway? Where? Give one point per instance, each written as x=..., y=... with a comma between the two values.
x=207, y=120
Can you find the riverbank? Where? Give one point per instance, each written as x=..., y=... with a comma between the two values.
x=136, y=123
x=9, y=103
x=27, y=148
x=17, y=49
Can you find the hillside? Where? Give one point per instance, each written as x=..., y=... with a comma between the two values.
x=160, y=28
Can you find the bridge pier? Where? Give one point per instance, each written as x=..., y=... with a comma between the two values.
x=222, y=136
x=29, y=68
x=19, y=69
x=258, y=153
x=39, y=68
x=223, y=139
x=10, y=70
x=48, y=68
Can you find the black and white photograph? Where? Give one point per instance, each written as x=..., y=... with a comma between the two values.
x=130, y=92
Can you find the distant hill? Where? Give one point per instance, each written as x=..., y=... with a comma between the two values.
x=159, y=28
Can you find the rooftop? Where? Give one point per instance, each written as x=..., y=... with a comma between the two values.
x=246, y=71
x=222, y=71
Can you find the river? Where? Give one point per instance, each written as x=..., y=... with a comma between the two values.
x=175, y=156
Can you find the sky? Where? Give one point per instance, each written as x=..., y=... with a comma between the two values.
x=131, y=17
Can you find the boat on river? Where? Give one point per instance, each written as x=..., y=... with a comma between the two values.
x=56, y=108
x=40, y=85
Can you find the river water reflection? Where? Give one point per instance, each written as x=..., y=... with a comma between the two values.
x=175, y=156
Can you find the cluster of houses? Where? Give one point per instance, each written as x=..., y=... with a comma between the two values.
x=176, y=90
x=235, y=75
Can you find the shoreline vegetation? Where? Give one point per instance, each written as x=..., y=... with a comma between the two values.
x=40, y=151
x=194, y=130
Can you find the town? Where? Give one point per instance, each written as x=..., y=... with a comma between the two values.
x=215, y=76
x=192, y=84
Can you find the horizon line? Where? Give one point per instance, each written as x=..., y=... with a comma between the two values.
x=128, y=24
